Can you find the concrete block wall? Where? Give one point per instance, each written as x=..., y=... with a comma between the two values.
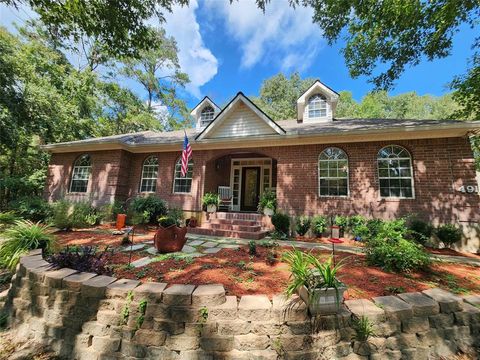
x=89, y=316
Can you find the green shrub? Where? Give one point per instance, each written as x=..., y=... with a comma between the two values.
x=393, y=230
x=302, y=225
x=22, y=237
x=281, y=222
x=374, y=226
x=397, y=255
x=7, y=219
x=252, y=247
x=420, y=231
x=109, y=212
x=31, y=208
x=358, y=227
x=84, y=215
x=341, y=220
x=211, y=199
x=449, y=234
x=319, y=225
x=268, y=200
x=62, y=214
x=166, y=221
x=150, y=207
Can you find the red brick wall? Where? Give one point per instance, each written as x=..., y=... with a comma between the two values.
x=440, y=167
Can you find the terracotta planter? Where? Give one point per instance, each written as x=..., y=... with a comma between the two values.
x=170, y=239
x=324, y=301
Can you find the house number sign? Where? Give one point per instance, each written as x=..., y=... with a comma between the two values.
x=469, y=189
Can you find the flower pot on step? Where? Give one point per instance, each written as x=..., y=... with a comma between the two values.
x=268, y=211
x=322, y=301
x=211, y=208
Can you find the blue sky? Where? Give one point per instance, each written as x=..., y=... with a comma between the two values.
x=229, y=48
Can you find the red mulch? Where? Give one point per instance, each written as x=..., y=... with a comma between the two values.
x=102, y=237
x=242, y=274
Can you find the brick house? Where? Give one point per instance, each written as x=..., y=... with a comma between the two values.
x=317, y=164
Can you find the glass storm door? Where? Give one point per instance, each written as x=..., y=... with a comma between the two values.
x=250, y=188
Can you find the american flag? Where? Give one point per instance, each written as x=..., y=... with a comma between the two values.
x=186, y=155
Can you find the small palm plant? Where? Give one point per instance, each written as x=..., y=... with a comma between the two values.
x=300, y=270
x=22, y=237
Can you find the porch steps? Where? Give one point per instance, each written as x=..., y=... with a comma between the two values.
x=234, y=225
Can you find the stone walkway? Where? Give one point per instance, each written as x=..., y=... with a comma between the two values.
x=201, y=245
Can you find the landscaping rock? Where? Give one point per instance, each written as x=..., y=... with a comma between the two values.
x=54, y=278
x=95, y=287
x=472, y=300
x=75, y=281
x=226, y=311
x=208, y=295
x=448, y=302
x=251, y=342
x=440, y=321
x=195, y=242
x=212, y=250
x=149, y=337
x=133, y=247
x=422, y=305
x=178, y=295
x=121, y=288
x=209, y=244
x=363, y=307
x=141, y=262
x=415, y=325
x=217, y=343
x=237, y=327
x=469, y=315
x=188, y=249
x=152, y=250
x=229, y=246
x=254, y=307
x=395, y=308
x=151, y=291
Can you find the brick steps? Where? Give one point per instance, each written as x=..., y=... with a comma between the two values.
x=229, y=233
x=234, y=225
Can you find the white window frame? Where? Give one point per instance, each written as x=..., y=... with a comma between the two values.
x=144, y=165
x=317, y=102
x=178, y=164
x=78, y=169
x=411, y=177
x=207, y=115
x=333, y=178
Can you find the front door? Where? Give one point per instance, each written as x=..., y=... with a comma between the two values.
x=250, y=188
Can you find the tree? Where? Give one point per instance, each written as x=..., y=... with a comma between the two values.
x=385, y=37
x=119, y=27
x=279, y=95
x=158, y=71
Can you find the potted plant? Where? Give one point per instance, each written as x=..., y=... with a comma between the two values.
x=315, y=281
x=268, y=203
x=169, y=237
x=211, y=201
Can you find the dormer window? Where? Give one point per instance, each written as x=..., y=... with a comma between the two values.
x=207, y=115
x=317, y=106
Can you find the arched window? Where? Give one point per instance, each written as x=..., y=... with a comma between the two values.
x=317, y=106
x=182, y=184
x=395, y=172
x=148, y=183
x=81, y=174
x=207, y=115
x=333, y=172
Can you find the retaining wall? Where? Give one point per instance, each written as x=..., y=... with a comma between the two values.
x=85, y=316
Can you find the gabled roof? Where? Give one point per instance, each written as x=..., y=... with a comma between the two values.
x=229, y=108
x=206, y=99
x=321, y=85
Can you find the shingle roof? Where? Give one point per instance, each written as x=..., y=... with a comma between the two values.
x=292, y=127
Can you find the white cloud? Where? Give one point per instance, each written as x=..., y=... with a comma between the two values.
x=195, y=59
x=282, y=35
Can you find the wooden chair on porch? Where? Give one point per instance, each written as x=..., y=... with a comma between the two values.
x=226, y=198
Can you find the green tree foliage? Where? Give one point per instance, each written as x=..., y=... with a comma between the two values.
x=45, y=99
x=120, y=28
x=279, y=94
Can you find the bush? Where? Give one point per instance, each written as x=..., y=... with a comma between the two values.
x=252, y=248
x=62, y=214
x=392, y=255
x=84, y=215
x=302, y=225
x=449, y=234
x=7, y=219
x=268, y=200
x=83, y=258
x=393, y=230
x=420, y=231
x=281, y=222
x=358, y=227
x=32, y=208
x=374, y=227
x=151, y=207
x=109, y=212
x=22, y=237
x=341, y=221
x=319, y=225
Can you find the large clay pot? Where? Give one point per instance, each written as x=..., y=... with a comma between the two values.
x=170, y=239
